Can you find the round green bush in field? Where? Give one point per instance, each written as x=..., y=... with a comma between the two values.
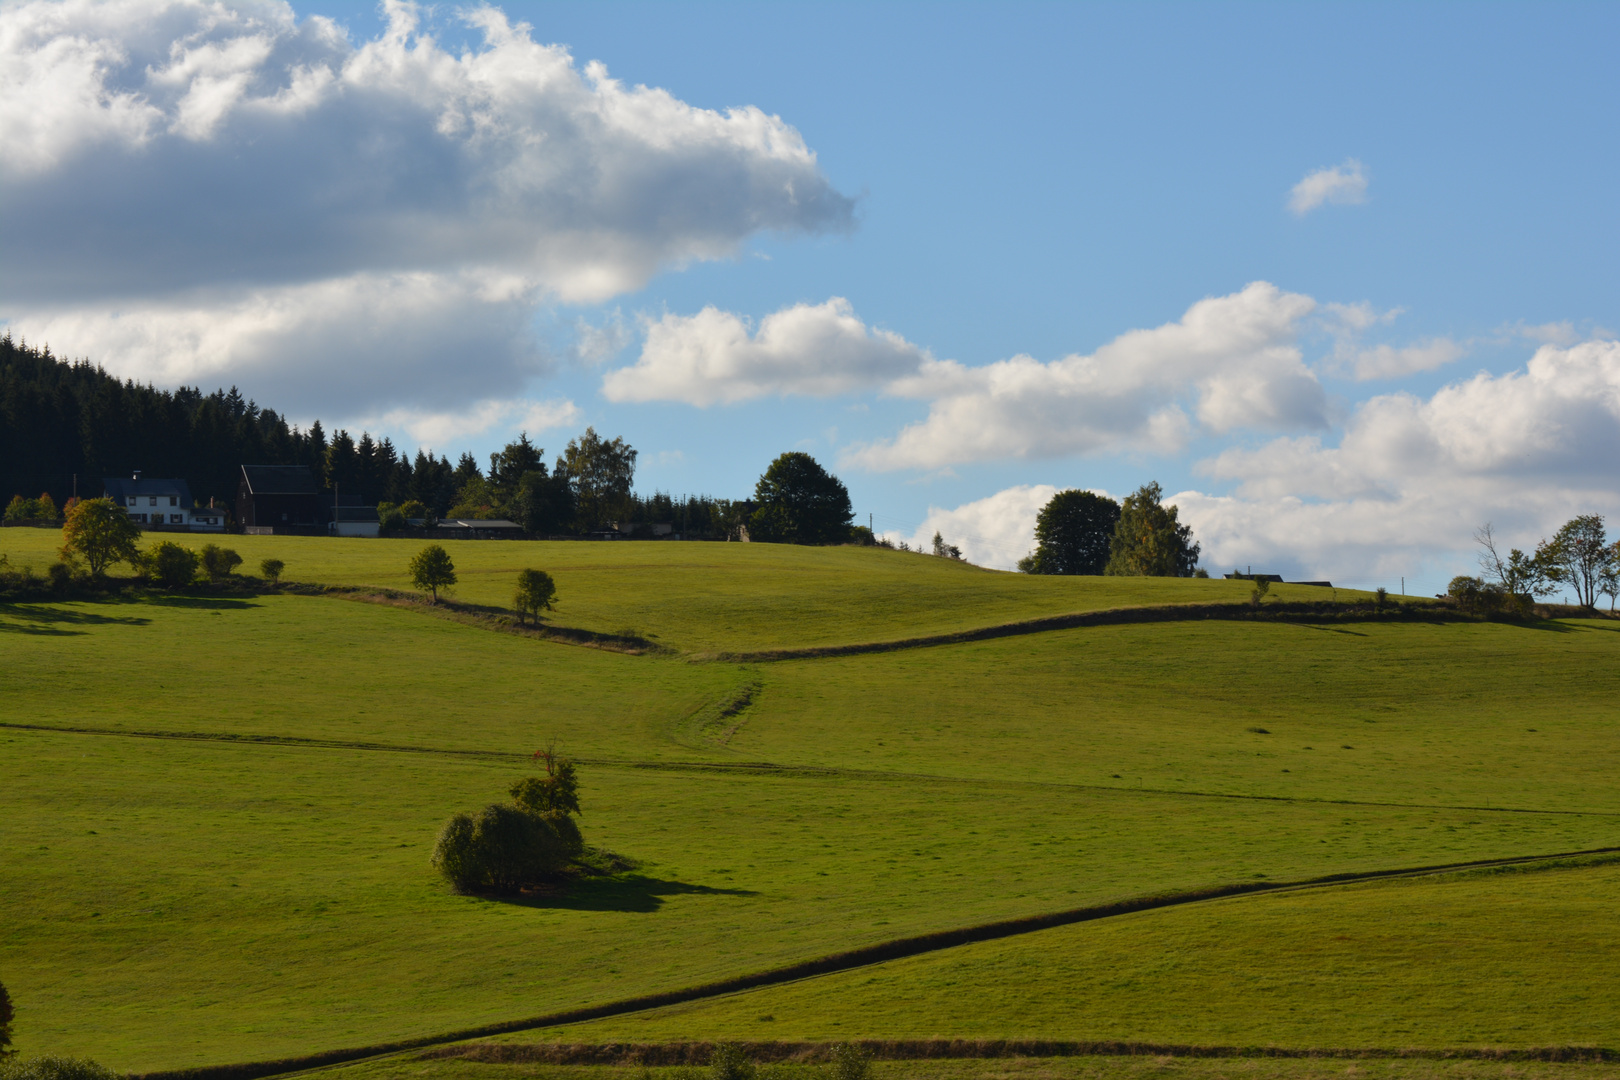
x=170, y=565
x=504, y=847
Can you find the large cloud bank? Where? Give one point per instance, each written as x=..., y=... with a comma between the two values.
x=195, y=190
x=1230, y=362
x=1406, y=485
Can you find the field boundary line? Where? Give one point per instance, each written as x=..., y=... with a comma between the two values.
x=866, y=956
x=497, y=619
x=698, y=1053
x=1302, y=611
x=480, y=616
x=768, y=768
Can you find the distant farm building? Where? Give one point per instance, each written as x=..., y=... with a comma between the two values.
x=1275, y=579
x=278, y=498
x=355, y=521
x=162, y=504
x=479, y=529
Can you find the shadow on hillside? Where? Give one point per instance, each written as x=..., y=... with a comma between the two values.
x=200, y=603
x=632, y=893
x=56, y=621
x=1552, y=627
x=1332, y=629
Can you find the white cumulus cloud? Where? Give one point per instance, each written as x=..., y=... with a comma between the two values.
x=1341, y=184
x=1230, y=362
x=439, y=429
x=995, y=531
x=1411, y=478
x=186, y=163
x=814, y=349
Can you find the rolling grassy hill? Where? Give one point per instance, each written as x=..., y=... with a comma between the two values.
x=217, y=810
x=698, y=597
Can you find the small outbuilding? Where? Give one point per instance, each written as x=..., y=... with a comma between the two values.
x=355, y=521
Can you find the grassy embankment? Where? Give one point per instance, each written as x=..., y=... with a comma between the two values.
x=181, y=902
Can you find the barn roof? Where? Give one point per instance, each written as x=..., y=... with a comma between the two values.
x=279, y=480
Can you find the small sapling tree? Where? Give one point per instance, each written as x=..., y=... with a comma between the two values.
x=170, y=565
x=100, y=531
x=556, y=792
x=218, y=562
x=271, y=570
x=536, y=592
x=432, y=570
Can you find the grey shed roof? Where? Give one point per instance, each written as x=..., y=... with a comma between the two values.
x=120, y=489
x=279, y=480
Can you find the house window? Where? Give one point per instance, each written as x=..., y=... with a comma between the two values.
x=151, y=500
x=131, y=500
x=139, y=519
x=174, y=500
x=175, y=519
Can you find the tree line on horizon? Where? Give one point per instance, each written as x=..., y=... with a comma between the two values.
x=60, y=420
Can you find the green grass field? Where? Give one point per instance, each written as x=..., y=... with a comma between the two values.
x=1477, y=959
x=227, y=859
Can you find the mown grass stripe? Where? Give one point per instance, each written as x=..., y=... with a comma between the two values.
x=898, y=949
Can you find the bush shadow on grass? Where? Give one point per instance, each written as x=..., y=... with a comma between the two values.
x=634, y=893
x=58, y=621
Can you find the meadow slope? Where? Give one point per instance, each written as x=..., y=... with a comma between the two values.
x=217, y=810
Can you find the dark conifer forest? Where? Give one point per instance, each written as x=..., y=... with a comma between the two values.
x=59, y=420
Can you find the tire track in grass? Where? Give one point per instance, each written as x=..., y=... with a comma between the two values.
x=767, y=768
x=898, y=949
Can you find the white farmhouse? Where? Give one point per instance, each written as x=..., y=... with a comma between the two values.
x=163, y=504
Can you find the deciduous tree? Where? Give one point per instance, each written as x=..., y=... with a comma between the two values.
x=599, y=472
x=536, y=592
x=800, y=503
x=1577, y=556
x=100, y=531
x=1073, y=534
x=432, y=570
x=1148, y=541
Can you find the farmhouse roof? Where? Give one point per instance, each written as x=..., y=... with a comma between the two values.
x=478, y=523
x=279, y=480
x=119, y=488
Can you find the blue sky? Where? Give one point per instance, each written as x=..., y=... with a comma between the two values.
x=1023, y=180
